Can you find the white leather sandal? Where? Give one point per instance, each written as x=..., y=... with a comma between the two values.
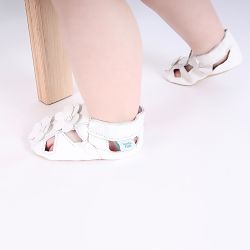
x=190, y=70
x=95, y=135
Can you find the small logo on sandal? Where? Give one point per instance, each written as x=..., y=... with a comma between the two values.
x=126, y=145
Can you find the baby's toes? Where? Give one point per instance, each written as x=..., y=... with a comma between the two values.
x=50, y=144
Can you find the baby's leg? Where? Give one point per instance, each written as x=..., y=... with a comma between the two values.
x=194, y=20
x=104, y=46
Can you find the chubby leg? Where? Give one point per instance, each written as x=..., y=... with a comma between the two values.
x=105, y=50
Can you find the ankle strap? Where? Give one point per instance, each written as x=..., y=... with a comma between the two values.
x=218, y=51
x=117, y=131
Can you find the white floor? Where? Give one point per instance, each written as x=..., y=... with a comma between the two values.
x=188, y=189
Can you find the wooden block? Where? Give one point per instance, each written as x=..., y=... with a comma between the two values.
x=51, y=65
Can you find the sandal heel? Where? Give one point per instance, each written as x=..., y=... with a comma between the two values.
x=234, y=59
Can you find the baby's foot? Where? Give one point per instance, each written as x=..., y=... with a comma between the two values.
x=88, y=139
x=189, y=70
x=113, y=146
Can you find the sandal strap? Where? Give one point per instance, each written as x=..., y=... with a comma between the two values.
x=216, y=53
x=117, y=131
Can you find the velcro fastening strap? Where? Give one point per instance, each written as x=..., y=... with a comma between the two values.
x=117, y=131
x=218, y=52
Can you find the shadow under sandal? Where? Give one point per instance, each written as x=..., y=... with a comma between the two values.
x=190, y=70
x=97, y=137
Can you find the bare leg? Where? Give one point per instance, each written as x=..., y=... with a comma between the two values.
x=194, y=20
x=104, y=46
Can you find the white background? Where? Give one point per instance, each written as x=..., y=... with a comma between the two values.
x=187, y=189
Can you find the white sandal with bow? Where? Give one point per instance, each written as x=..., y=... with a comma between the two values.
x=95, y=136
x=190, y=70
